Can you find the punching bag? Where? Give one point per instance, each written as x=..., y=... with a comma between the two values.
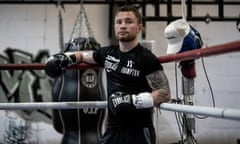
x=80, y=126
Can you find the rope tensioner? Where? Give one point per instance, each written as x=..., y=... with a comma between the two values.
x=213, y=50
x=224, y=113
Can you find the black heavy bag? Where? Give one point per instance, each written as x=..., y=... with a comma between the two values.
x=80, y=126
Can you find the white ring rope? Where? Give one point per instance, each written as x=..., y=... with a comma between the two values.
x=224, y=113
x=53, y=105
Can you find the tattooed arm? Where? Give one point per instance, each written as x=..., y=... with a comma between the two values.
x=160, y=87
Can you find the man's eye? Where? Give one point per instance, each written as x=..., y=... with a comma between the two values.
x=118, y=22
x=128, y=21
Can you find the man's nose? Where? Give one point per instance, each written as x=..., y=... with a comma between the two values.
x=123, y=25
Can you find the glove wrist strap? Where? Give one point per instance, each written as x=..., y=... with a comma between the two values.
x=71, y=57
x=142, y=100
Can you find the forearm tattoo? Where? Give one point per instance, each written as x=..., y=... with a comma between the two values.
x=159, y=83
x=157, y=80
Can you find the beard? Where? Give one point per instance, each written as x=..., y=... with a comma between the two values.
x=126, y=39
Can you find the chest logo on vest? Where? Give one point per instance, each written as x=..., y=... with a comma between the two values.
x=130, y=63
x=111, y=63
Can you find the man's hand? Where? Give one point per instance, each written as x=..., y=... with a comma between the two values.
x=57, y=63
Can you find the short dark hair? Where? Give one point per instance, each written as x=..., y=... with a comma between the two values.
x=131, y=8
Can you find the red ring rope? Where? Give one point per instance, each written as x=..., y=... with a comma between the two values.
x=213, y=50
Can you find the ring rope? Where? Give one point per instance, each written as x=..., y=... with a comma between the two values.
x=193, y=54
x=224, y=113
x=53, y=105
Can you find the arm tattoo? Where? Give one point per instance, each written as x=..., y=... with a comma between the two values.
x=159, y=84
x=157, y=80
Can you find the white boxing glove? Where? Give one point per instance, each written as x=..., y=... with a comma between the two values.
x=142, y=100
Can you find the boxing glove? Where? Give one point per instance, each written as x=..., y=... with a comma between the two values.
x=55, y=64
x=119, y=102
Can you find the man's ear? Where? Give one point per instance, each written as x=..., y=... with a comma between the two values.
x=140, y=27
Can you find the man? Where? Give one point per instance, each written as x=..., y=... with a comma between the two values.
x=135, y=80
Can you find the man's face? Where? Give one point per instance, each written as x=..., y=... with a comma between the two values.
x=126, y=26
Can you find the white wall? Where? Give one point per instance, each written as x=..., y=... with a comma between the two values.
x=35, y=27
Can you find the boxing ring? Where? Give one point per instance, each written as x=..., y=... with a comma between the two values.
x=223, y=113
